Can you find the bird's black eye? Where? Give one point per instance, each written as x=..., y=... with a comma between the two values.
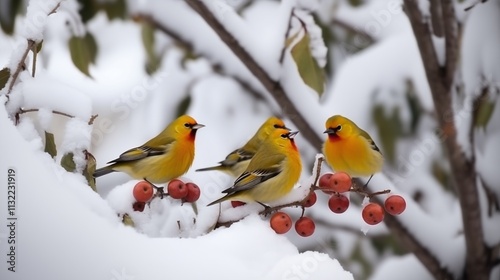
x=277, y=126
x=284, y=135
x=338, y=128
x=187, y=125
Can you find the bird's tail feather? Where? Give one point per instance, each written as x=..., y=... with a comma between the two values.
x=224, y=198
x=102, y=171
x=218, y=167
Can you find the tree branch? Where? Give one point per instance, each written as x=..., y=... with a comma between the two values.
x=188, y=46
x=21, y=66
x=274, y=87
x=451, y=41
x=462, y=168
x=278, y=93
x=436, y=18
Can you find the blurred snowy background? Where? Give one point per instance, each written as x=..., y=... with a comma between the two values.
x=136, y=65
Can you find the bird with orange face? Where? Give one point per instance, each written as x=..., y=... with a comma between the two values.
x=271, y=173
x=350, y=149
x=161, y=159
x=237, y=161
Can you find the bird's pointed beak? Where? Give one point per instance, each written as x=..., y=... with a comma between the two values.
x=330, y=131
x=197, y=126
x=292, y=134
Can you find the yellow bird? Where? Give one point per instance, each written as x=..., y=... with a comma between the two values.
x=237, y=161
x=271, y=173
x=163, y=158
x=350, y=149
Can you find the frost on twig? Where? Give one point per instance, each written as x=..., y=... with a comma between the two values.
x=31, y=46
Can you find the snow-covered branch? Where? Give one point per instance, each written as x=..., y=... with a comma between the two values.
x=463, y=168
x=274, y=87
x=21, y=66
x=149, y=19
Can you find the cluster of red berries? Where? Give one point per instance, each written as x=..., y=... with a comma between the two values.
x=336, y=185
x=176, y=189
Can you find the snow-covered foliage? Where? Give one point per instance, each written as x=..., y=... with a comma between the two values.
x=374, y=76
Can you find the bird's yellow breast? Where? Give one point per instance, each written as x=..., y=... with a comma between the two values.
x=353, y=155
x=163, y=168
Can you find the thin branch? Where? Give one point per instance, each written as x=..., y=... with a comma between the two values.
x=463, y=169
x=473, y=5
x=33, y=64
x=287, y=33
x=21, y=66
x=23, y=111
x=189, y=47
x=274, y=87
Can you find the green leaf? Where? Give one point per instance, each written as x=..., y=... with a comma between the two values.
x=68, y=163
x=80, y=54
x=309, y=70
x=91, y=46
x=88, y=9
x=88, y=172
x=50, y=145
x=148, y=40
x=484, y=112
x=183, y=105
x=39, y=46
x=127, y=220
x=4, y=76
x=115, y=9
x=389, y=130
x=8, y=15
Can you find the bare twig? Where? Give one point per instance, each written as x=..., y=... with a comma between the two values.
x=189, y=47
x=20, y=67
x=92, y=119
x=33, y=65
x=274, y=87
x=473, y=5
x=287, y=33
x=463, y=169
x=23, y=111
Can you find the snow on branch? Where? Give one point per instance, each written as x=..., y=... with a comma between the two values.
x=32, y=19
x=440, y=80
x=273, y=86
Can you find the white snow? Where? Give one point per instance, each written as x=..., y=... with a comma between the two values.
x=68, y=231
x=74, y=227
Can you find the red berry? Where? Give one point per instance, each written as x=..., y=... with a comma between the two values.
x=338, y=203
x=305, y=226
x=193, y=194
x=324, y=182
x=143, y=191
x=236, y=203
x=395, y=204
x=373, y=213
x=138, y=206
x=177, y=189
x=281, y=222
x=340, y=182
x=311, y=199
